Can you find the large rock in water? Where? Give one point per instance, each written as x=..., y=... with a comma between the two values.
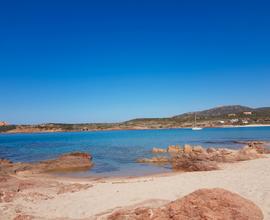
x=193, y=162
x=67, y=162
x=206, y=204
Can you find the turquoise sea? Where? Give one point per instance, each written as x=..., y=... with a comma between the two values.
x=115, y=152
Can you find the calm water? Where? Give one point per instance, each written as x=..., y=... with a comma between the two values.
x=115, y=152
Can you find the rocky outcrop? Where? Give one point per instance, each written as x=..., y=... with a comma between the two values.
x=213, y=204
x=173, y=149
x=206, y=160
x=207, y=204
x=11, y=185
x=259, y=146
x=198, y=158
x=187, y=149
x=71, y=161
x=247, y=153
x=4, y=162
x=193, y=162
x=210, y=150
x=158, y=150
x=198, y=149
x=66, y=162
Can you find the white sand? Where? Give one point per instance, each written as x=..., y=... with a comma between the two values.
x=251, y=179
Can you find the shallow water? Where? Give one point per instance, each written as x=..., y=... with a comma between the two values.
x=115, y=152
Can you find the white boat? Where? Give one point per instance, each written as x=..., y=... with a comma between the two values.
x=195, y=128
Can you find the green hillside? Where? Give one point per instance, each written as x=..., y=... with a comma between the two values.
x=216, y=117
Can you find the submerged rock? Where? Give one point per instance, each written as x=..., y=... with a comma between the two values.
x=207, y=204
x=156, y=160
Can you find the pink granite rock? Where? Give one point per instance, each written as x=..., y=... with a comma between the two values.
x=203, y=204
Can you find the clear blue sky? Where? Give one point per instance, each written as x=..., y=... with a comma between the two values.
x=105, y=61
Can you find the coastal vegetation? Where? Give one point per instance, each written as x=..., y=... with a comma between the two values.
x=234, y=115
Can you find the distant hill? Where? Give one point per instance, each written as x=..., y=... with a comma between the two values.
x=232, y=115
x=214, y=117
x=219, y=111
x=264, y=109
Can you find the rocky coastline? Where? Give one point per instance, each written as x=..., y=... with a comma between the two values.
x=196, y=158
x=31, y=183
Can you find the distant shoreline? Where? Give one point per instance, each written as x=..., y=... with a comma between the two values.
x=248, y=126
x=132, y=129
x=232, y=116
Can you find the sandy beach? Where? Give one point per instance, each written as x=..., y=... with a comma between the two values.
x=250, y=179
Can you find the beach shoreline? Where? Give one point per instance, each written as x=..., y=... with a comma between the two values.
x=103, y=195
x=29, y=193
